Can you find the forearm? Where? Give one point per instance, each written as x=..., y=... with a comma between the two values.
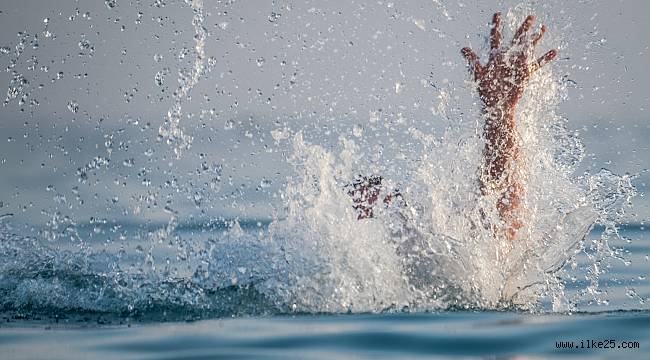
x=501, y=167
x=501, y=152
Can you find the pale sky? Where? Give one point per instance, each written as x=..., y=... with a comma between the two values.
x=97, y=83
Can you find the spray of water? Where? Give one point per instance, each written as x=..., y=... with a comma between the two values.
x=171, y=130
x=432, y=252
x=437, y=250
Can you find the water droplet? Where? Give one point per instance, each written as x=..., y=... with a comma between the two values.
x=357, y=130
x=111, y=4
x=84, y=45
x=212, y=61
x=419, y=23
x=73, y=106
x=375, y=115
x=631, y=293
x=260, y=62
x=280, y=134
x=273, y=17
x=159, y=78
x=230, y=123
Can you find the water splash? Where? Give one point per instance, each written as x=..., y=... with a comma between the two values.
x=171, y=130
x=432, y=253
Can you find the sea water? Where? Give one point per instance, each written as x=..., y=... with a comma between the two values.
x=249, y=327
x=309, y=279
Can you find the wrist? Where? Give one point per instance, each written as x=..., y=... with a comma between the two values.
x=499, y=116
x=499, y=111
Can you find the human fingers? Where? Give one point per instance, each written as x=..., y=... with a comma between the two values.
x=495, y=33
x=537, y=37
x=472, y=59
x=544, y=59
x=525, y=26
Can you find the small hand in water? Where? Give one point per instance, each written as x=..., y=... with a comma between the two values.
x=501, y=81
x=365, y=192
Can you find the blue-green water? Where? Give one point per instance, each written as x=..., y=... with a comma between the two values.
x=243, y=329
x=426, y=335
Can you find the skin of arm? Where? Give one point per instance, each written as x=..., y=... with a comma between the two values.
x=500, y=84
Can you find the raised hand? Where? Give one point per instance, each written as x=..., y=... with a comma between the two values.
x=501, y=81
x=501, y=84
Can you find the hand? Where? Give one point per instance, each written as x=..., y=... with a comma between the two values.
x=365, y=191
x=501, y=84
x=501, y=81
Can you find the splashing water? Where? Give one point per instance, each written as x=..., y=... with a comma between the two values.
x=171, y=130
x=433, y=252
